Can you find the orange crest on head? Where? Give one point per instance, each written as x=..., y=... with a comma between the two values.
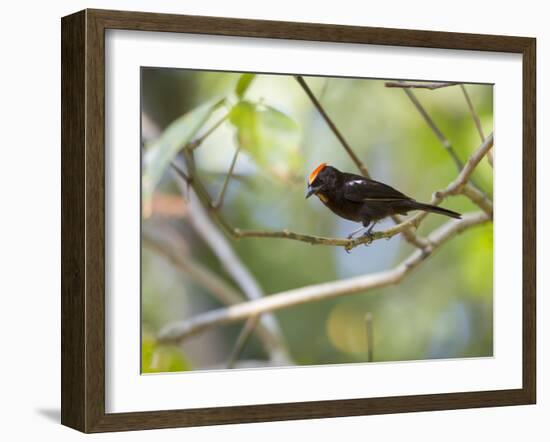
x=314, y=174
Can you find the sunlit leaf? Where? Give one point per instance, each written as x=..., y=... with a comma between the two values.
x=245, y=80
x=269, y=136
x=161, y=358
x=173, y=139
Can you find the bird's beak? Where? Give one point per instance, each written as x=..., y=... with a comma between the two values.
x=312, y=190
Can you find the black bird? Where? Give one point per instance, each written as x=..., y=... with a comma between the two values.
x=362, y=200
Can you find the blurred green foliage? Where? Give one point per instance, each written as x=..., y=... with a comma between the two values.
x=270, y=137
x=161, y=358
x=442, y=310
x=243, y=84
x=173, y=139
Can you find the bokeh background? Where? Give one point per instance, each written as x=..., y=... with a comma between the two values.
x=444, y=309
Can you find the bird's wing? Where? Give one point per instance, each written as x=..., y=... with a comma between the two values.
x=362, y=189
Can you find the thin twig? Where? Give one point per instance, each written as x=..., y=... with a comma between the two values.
x=409, y=235
x=473, y=112
x=321, y=240
x=466, y=172
x=477, y=121
x=229, y=260
x=370, y=338
x=435, y=129
x=177, y=331
x=360, y=165
x=418, y=85
x=221, y=196
x=242, y=339
x=165, y=244
x=478, y=198
x=198, y=141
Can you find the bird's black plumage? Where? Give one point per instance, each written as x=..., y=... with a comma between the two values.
x=363, y=200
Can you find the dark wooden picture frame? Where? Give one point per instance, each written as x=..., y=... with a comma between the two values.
x=83, y=220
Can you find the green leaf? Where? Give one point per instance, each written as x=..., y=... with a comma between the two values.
x=161, y=358
x=270, y=137
x=243, y=84
x=160, y=153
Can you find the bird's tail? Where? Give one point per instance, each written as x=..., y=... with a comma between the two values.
x=435, y=209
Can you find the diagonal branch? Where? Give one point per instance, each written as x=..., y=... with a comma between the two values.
x=198, y=141
x=442, y=139
x=232, y=264
x=467, y=170
x=242, y=339
x=360, y=165
x=435, y=129
x=168, y=245
x=477, y=121
x=228, y=176
x=460, y=185
x=177, y=331
x=473, y=112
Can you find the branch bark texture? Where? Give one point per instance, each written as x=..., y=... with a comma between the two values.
x=177, y=331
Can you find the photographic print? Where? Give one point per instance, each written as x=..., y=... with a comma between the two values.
x=267, y=220
x=293, y=220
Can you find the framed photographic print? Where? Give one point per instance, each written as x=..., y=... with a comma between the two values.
x=270, y=220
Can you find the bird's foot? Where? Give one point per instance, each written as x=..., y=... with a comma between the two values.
x=370, y=238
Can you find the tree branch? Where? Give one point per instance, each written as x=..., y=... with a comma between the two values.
x=467, y=170
x=169, y=246
x=473, y=112
x=166, y=244
x=435, y=129
x=418, y=85
x=479, y=198
x=198, y=141
x=477, y=121
x=442, y=139
x=242, y=339
x=231, y=263
x=360, y=165
x=407, y=233
x=311, y=239
x=459, y=186
x=177, y=331
x=219, y=201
